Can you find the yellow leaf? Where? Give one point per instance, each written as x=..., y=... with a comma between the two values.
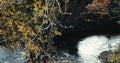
x=10, y=12
x=9, y=23
x=40, y=13
x=40, y=39
x=13, y=8
x=20, y=28
x=17, y=22
x=18, y=12
x=37, y=27
x=1, y=32
x=57, y=33
x=45, y=21
x=2, y=2
x=35, y=9
x=14, y=33
x=32, y=33
x=44, y=8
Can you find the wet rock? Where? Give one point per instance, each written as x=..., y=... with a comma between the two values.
x=104, y=56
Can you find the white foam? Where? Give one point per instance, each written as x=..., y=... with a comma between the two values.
x=90, y=48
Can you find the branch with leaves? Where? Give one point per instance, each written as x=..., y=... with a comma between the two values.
x=31, y=24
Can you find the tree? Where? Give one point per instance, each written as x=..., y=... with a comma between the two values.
x=30, y=24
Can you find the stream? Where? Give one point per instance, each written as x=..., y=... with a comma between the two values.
x=92, y=49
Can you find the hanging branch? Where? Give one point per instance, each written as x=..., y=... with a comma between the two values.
x=65, y=7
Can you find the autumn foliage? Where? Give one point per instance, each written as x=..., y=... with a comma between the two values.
x=29, y=24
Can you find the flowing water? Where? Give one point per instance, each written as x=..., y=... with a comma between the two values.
x=90, y=48
x=12, y=57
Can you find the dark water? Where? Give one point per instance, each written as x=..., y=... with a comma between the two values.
x=70, y=37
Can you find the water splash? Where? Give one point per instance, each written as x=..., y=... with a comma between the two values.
x=90, y=48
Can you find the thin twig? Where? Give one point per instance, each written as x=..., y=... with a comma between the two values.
x=61, y=10
x=39, y=31
x=64, y=26
x=113, y=17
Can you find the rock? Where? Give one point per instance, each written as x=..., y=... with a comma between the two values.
x=104, y=56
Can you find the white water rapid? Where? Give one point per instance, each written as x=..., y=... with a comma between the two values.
x=90, y=48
